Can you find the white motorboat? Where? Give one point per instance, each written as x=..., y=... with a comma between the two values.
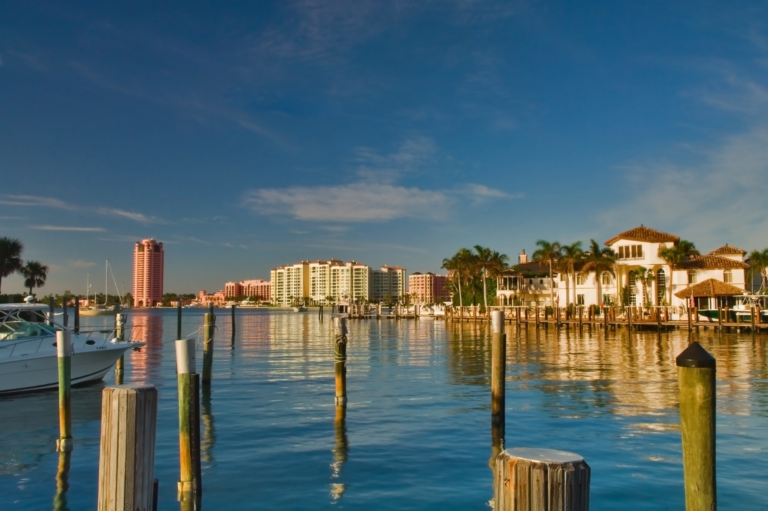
x=299, y=308
x=28, y=359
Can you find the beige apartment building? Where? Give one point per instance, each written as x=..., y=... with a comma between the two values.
x=320, y=280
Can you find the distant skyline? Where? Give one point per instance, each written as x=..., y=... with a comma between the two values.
x=247, y=136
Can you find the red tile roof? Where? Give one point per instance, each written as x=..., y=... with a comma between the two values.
x=710, y=287
x=712, y=262
x=729, y=250
x=644, y=233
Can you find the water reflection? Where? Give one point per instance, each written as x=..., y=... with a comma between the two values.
x=145, y=364
x=209, y=434
x=62, y=482
x=340, y=452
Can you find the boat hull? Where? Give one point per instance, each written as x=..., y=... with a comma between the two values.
x=87, y=312
x=22, y=374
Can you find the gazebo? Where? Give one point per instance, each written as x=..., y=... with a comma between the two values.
x=722, y=293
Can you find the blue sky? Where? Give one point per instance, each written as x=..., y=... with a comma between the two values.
x=247, y=135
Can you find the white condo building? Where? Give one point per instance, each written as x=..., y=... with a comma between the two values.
x=317, y=281
x=637, y=248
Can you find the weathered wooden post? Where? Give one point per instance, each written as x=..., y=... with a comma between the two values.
x=690, y=318
x=62, y=482
x=207, y=348
x=498, y=366
x=120, y=334
x=64, y=355
x=179, y=334
x=536, y=313
x=127, y=457
x=696, y=378
x=720, y=319
x=51, y=310
x=234, y=326
x=757, y=314
x=77, y=315
x=340, y=360
x=529, y=479
x=190, y=482
x=64, y=315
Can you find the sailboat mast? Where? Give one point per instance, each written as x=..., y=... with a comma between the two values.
x=106, y=282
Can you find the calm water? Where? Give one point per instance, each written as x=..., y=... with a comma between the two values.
x=417, y=431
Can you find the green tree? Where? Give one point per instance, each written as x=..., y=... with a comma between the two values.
x=676, y=256
x=570, y=256
x=645, y=277
x=548, y=253
x=34, y=273
x=459, y=266
x=758, y=262
x=598, y=260
x=10, y=257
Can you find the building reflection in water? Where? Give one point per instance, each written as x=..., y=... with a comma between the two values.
x=593, y=372
x=340, y=452
x=145, y=364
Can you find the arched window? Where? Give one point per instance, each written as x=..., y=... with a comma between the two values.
x=606, y=279
x=727, y=276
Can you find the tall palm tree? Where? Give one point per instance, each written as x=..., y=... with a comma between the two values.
x=496, y=265
x=458, y=266
x=34, y=273
x=10, y=257
x=570, y=255
x=599, y=259
x=548, y=253
x=758, y=261
x=645, y=277
x=676, y=256
x=483, y=257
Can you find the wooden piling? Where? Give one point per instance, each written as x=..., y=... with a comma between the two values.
x=190, y=483
x=234, y=326
x=498, y=366
x=64, y=356
x=179, y=334
x=51, y=310
x=120, y=334
x=530, y=479
x=720, y=319
x=77, y=315
x=64, y=315
x=696, y=379
x=62, y=482
x=207, y=348
x=340, y=360
x=127, y=457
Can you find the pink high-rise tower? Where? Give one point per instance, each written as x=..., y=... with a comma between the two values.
x=148, y=273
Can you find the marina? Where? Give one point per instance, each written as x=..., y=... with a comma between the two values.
x=416, y=433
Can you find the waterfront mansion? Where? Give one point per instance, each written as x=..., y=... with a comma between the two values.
x=528, y=283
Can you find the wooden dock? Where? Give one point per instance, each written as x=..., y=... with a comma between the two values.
x=645, y=318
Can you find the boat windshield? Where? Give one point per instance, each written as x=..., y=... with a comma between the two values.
x=20, y=329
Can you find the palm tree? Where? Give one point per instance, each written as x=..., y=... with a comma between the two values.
x=483, y=258
x=599, y=259
x=548, y=253
x=10, y=257
x=570, y=255
x=496, y=266
x=645, y=277
x=34, y=273
x=676, y=256
x=459, y=266
x=758, y=261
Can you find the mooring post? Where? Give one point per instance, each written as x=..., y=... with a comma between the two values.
x=64, y=355
x=51, y=310
x=64, y=315
x=120, y=334
x=696, y=379
x=190, y=484
x=541, y=479
x=77, y=315
x=498, y=366
x=207, y=348
x=127, y=457
x=234, y=326
x=178, y=320
x=340, y=360
x=62, y=482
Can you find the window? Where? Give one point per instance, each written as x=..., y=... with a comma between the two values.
x=579, y=299
x=631, y=252
x=562, y=277
x=692, y=277
x=606, y=279
x=661, y=286
x=727, y=276
x=579, y=279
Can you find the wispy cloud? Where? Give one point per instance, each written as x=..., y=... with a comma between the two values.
x=66, y=228
x=130, y=215
x=35, y=201
x=412, y=154
x=80, y=264
x=481, y=193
